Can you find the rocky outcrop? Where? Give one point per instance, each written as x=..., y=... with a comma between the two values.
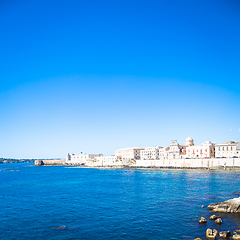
x=203, y=220
x=213, y=217
x=211, y=234
x=224, y=234
x=218, y=221
x=229, y=206
x=236, y=236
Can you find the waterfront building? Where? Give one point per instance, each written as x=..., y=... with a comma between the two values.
x=188, y=142
x=163, y=152
x=174, y=150
x=94, y=156
x=179, y=151
x=128, y=153
x=106, y=160
x=149, y=153
x=81, y=158
x=205, y=150
x=227, y=150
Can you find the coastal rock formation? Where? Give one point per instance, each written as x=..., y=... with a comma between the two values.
x=213, y=217
x=202, y=220
x=218, y=221
x=236, y=236
x=211, y=234
x=229, y=206
x=224, y=234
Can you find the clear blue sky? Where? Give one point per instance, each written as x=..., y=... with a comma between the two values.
x=94, y=76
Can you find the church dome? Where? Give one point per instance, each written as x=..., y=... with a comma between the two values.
x=189, y=142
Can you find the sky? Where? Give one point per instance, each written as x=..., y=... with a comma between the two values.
x=95, y=76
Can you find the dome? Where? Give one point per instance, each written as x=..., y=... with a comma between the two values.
x=189, y=141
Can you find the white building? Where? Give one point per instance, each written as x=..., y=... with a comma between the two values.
x=227, y=150
x=80, y=159
x=177, y=151
x=149, y=153
x=163, y=152
x=106, y=160
x=174, y=151
x=205, y=150
x=128, y=153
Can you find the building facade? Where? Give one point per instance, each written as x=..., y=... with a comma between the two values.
x=81, y=158
x=106, y=160
x=128, y=153
x=205, y=150
x=149, y=153
x=174, y=150
x=163, y=152
x=227, y=150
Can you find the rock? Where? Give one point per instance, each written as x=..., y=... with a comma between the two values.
x=202, y=220
x=218, y=221
x=211, y=234
x=213, y=217
x=229, y=206
x=224, y=234
x=236, y=193
x=61, y=227
x=236, y=236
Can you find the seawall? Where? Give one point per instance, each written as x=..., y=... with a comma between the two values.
x=211, y=163
x=190, y=163
x=50, y=162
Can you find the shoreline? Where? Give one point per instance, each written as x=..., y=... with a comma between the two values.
x=178, y=164
x=144, y=167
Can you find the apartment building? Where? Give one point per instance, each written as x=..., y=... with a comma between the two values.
x=163, y=152
x=106, y=160
x=81, y=158
x=227, y=150
x=128, y=153
x=149, y=153
x=205, y=150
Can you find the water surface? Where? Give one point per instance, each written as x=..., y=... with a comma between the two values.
x=111, y=203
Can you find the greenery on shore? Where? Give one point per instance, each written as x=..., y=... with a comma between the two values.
x=12, y=160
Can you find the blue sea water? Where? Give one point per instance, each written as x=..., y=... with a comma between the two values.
x=58, y=202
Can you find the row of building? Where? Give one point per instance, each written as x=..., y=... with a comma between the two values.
x=174, y=151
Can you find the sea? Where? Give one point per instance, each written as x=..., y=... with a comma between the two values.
x=60, y=202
